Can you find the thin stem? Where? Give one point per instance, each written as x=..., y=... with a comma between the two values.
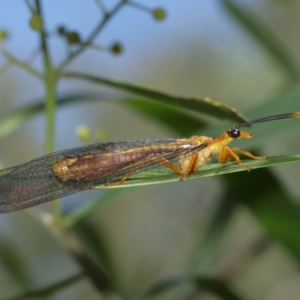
x=94, y=33
x=25, y=66
x=101, y=6
x=50, y=101
x=50, y=84
x=29, y=6
x=139, y=6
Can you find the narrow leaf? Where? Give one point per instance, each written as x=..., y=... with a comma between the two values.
x=204, y=105
x=214, y=286
x=176, y=119
x=168, y=284
x=14, y=119
x=50, y=290
x=163, y=175
x=218, y=288
x=90, y=208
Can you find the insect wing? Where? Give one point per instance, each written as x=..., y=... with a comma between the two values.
x=35, y=182
x=151, y=155
x=30, y=184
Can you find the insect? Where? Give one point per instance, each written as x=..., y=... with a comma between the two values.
x=70, y=171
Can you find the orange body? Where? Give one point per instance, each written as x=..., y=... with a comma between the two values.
x=191, y=153
x=214, y=146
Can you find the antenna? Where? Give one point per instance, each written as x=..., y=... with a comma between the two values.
x=271, y=118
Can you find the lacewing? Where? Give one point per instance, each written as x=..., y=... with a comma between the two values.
x=70, y=171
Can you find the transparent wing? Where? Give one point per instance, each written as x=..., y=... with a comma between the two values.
x=34, y=182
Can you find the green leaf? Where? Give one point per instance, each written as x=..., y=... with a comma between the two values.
x=217, y=287
x=50, y=290
x=185, y=123
x=265, y=37
x=205, y=105
x=90, y=208
x=288, y=101
x=168, y=284
x=14, y=119
x=214, y=286
x=170, y=116
x=163, y=175
x=176, y=119
x=270, y=131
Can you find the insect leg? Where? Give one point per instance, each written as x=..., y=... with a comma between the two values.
x=227, y=153
x=166, y=163
x=248, y=154
x=122, y=179
x=193, y=163
x=161, y=161
x=192, y=167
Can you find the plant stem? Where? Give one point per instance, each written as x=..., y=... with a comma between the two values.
x=50, y=102
x=25, y=66
x=93, y=34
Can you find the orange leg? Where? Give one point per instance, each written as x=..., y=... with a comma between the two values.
x=161, y=161
x=227, y=153
x=191, y=168
x=164, y=162
x=122, y=179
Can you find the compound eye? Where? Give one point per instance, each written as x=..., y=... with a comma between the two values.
x=234, y=133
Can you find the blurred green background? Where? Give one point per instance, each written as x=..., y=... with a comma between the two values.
x=233, y=236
